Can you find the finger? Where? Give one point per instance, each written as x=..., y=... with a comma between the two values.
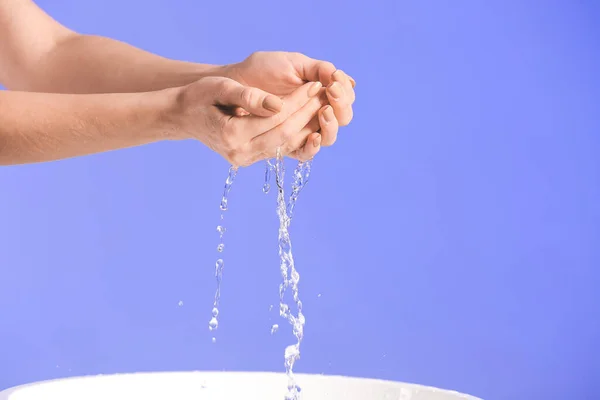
x=296, y=141
x=255, y=101
x=287, y=148
x=339, y=101
x=313, y=70
x=341, y=77
x=288, y=130
x=329, y=126
x=310, y=148
x=255, y=126
x=352, y=81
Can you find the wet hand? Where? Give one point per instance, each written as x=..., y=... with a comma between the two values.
x=281, y=73
x=208, y=110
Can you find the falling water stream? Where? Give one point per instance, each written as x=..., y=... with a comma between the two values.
x=289, y=274
x=214, y=321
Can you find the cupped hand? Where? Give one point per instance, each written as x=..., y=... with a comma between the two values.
x=281, y=73
x=206, y=110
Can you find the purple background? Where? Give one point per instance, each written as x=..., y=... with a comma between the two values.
x=453, y=232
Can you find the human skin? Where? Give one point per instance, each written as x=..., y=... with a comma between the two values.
x=37, y=54
x=39, y=127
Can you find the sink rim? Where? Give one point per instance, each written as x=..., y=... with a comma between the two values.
x=4, y=394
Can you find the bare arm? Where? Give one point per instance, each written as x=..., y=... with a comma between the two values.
x=39, y=54
x=38, y=127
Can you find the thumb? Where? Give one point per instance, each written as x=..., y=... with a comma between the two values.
x=255, y=101
x=312, y=70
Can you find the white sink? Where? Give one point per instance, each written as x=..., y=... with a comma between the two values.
x=222, y=386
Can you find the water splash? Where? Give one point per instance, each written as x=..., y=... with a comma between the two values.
x=301, y=176
x=300, y=179
x=213, y=324
x=290, y=276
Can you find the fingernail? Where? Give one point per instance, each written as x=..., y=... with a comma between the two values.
x=328, y=114
x=314, y=89
x=338, y=75
x=335, y=90
x=317, y=141
x=273, y=103
x=352, y=81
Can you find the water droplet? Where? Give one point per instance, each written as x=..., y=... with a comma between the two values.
x=214, y=340
x=213, y=324
x=223, y=204
x=274, y=329
x=180, y=303
x=267, y=184
x=319, y=295
x=227, y=188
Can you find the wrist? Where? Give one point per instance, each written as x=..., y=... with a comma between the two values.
x=165, y=110
x=224, y=71
x=227, y=71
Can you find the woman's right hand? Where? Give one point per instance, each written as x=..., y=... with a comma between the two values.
x=209, y=110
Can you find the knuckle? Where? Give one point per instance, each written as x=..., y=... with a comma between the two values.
x=286, y=132
x=328, y=140
x=256, y=54
x=328, y=65
x=247, y=96
x=352, y=96
x=347, y=117
x=223, y=86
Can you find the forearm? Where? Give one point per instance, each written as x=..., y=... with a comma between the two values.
x=95, y=64
x=38, y=127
